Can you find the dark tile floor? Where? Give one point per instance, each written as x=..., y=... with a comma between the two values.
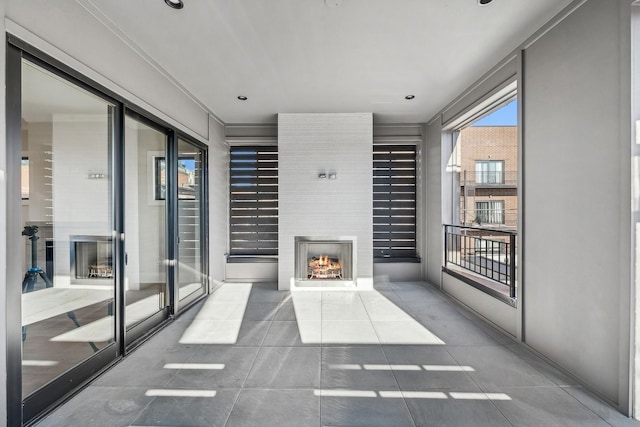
x=400, y=355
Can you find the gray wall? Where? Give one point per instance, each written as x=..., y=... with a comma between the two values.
x=577, y=191
x=434, y=170
x=218, y=201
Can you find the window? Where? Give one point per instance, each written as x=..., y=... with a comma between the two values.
x=486, y=160
x=490, y=212
x=160, y=173
x=489, y=172
x=481, y=242
x=186, y=177
x=394, y=202
x=253, y=201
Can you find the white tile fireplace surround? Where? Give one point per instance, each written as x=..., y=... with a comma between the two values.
x=325, y=192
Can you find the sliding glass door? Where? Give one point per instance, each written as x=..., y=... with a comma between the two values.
x=145, y=226
x=67, y=253
x=190, y=222
x=106, y=229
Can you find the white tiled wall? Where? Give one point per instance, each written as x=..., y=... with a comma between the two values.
x=309, y=144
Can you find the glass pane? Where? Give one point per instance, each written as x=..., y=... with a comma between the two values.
x=487, y=162
x=190, y=269
x=145, y=222
x=68, y=287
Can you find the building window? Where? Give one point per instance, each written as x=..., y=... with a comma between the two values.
x=186, y=177
x=253, y=201
x=489, y=172
x=394, y=202
x=490, y=212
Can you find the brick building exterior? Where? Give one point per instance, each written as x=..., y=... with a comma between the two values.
x=488, y=159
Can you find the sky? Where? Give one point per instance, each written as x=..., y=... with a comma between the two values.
x=507, y=115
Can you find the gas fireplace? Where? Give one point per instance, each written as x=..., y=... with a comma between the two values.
x=324, y=259
x=91, y=257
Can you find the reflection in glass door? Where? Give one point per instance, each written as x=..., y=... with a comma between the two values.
x=67, y=218
x=191, y=275
x=145, y=226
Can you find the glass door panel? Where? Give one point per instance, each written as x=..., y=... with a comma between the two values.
x=191, y=277
x=145, y=222
x=67, y=218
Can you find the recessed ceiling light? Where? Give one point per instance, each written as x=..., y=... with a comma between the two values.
x=242, y=98
x=409, y=97
x=176, y=4
x=484, y=2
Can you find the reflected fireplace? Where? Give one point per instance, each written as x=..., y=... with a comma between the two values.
x=324, y=259
x=91, y=257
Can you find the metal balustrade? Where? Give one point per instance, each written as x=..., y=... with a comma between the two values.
x=486, y=252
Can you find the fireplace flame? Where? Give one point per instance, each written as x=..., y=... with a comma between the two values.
x=324, y=267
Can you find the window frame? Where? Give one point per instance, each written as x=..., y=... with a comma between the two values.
x=487, y=174
x=492, y=99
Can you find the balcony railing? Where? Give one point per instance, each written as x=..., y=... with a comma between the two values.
x=485, y=252
x=489, y=178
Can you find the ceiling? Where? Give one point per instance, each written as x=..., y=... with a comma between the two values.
x=296, y=56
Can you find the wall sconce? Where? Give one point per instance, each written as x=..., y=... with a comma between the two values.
x=96, y=175
x=324, y=175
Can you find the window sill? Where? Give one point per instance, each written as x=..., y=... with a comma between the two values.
x=471, y=281
x=385, y=260
x=238, y=259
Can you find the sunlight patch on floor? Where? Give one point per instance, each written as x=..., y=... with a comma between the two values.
x=356, y=317
x=220, y=318
x=402, y=394
x=385, y=367
x=204, y=366
x=180, y=393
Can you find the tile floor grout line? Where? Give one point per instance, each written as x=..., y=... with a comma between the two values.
x=406, y=405
x=467, y=374
x=260, y=347
x=470, y=377
x=165, y=384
